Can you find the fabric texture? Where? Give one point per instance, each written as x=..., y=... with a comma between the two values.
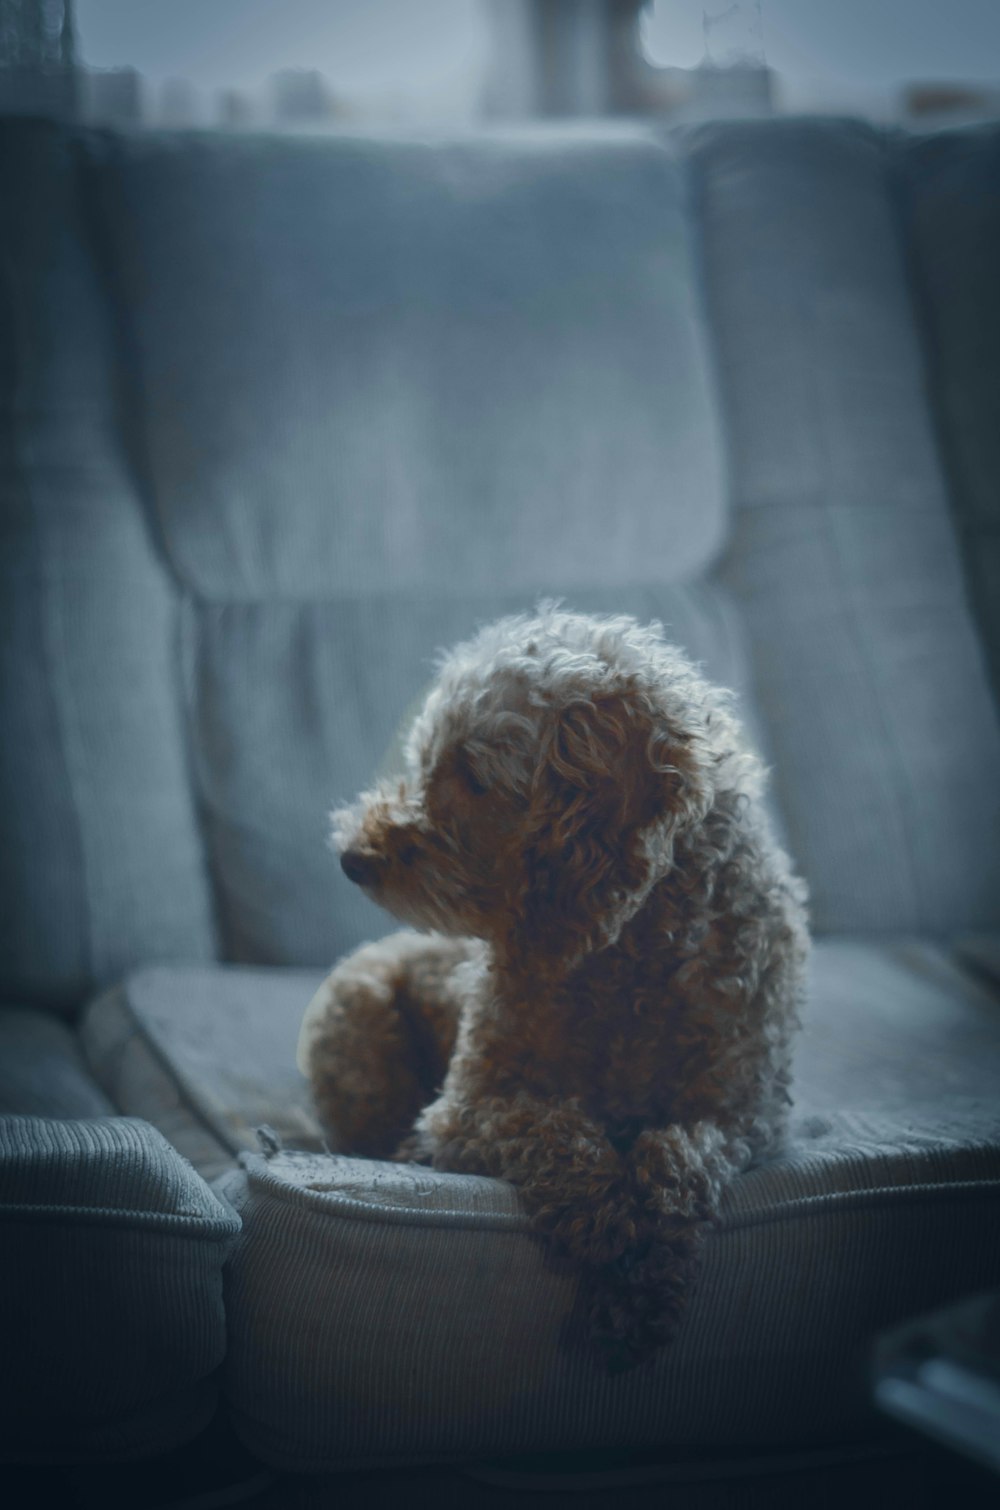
x=455, y=1350
x=111, y=1300
x=380, y=1311
x=843, y=557
x=100, y=858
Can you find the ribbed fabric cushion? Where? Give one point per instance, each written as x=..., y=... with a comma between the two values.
x=868, y=671
x=100, y=861
x=379, y=1314
x=42, y=1071
x=111, y=1301
x=379, y=1311
x=949, y=187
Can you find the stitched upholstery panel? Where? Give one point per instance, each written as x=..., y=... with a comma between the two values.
x=370, y=364
x=868, y=672
x=100, y=857
x=950, y=202
x=388, y=391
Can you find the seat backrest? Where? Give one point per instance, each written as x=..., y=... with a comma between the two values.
x=101, y=856
x=949, y=201
x=286, y=416
x=868, y=669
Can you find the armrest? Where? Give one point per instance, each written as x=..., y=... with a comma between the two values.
x=111, y=1256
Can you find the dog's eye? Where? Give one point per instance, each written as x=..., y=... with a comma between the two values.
x=470, y=778
x=476, y=787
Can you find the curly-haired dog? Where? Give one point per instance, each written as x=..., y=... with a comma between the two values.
x=604, y=1009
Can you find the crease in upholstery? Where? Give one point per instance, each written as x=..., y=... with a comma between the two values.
x=129, y=404
x=829, y=1202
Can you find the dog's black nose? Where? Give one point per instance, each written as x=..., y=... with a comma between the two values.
x=360, y=869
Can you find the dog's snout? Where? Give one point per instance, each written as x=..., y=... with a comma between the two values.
x=361, y=869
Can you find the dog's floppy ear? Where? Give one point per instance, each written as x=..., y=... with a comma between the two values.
x=613, y=786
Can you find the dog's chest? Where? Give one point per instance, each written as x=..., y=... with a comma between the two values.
x=608, y=1039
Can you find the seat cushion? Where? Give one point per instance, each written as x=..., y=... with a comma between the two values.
x=111, y=1303
x=207, y=1056
x=381, y=1312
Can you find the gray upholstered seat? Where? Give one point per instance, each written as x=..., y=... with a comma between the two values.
x=428, y=1287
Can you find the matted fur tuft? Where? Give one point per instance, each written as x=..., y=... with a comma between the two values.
x=602, y=1007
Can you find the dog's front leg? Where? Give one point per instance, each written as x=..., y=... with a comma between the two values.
x=573, y=1182
x=377, y=1037
x=679, y=1173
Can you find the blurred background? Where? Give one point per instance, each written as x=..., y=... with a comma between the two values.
x=322, y=64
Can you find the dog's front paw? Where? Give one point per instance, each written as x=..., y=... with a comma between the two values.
x=597, y=1234
x=634, y=1310
x=416, y=1148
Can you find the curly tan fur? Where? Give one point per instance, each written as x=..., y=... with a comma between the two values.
x=602, y=1008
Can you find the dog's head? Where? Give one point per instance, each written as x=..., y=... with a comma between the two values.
x=553, y=767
